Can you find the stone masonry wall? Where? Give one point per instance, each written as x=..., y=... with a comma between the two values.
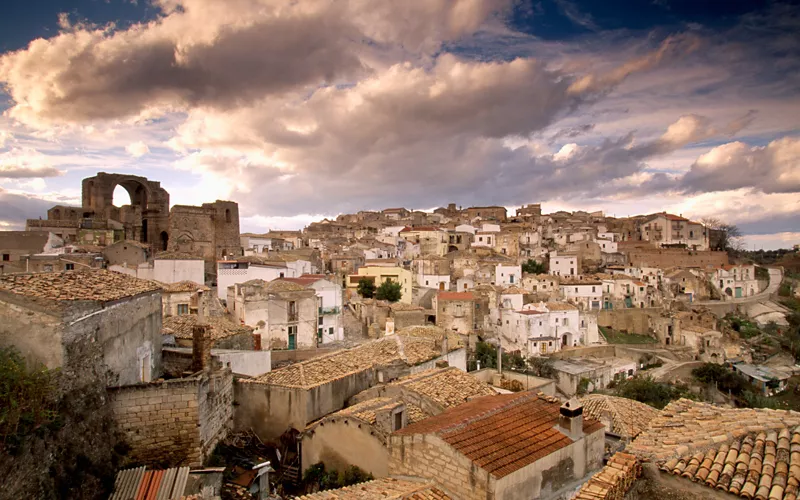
x=429, y=457
x=174, y=422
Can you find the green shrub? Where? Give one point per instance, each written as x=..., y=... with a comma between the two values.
x=27, y=398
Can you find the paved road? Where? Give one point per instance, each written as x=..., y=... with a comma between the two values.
x=662, y=372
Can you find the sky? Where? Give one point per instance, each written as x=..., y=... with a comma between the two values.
x=304, y=110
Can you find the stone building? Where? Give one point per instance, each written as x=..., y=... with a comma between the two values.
x=296, y=395
x=127, y=253
x=210, y=231
x=507, y=447
x=455, y=311
x=177, y=421
x=183, y=298
x=283, y=313
x=358, y=435
x=386, y=488
x=222, y=333
x=486, y=213
x=15, y=245
x=80, y=321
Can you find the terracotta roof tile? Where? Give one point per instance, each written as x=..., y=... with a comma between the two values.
x=763, y=465
x=502, y=433
x=686, y=427
x=385, y=488
x=455, y=296
x=176, y=256
x=447, y=386
x=93, y=285
x=413, y=345
x=622, y=416
x=220, y=327
x=182, y=286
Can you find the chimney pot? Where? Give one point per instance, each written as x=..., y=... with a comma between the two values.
x=570, y=419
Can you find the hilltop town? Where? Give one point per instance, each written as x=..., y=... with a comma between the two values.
x=464, y=352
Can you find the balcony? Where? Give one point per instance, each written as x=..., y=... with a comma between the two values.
x=324, y=311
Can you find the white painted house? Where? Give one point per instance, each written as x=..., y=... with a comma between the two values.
x=505, y=275
x=233, y=272
x=564, y=264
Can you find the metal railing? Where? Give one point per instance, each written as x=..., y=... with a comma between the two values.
x=328, y=310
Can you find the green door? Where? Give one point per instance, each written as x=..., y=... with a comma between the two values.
x=738, y=292
x=292, y=340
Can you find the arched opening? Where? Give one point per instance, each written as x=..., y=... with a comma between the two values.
x=228, y=215
x=121, y=197
x=164, y=240
x=729, y=292
x=452, y=248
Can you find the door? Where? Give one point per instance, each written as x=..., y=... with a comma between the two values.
x=441, y=285
x=292, y=337
x=738, y=292
x=543, y=348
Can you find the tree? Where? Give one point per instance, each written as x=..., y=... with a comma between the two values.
x=542, y=367
x=533, y=267
x=389, y=290
x=366, y=288
x=723, y=236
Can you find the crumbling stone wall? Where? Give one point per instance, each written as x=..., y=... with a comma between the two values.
x=175, y=421
x=674, y=257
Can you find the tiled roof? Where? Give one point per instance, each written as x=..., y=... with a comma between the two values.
x=687, y=427
x=560, y=306
x=512, y=290
x=613, y=481
x=622, y=416
x=455, y=296
x=182, y=286
x=132, y=243
x=402, y=306
x=447, y=386
x=386, y=488
x=413, y=345
x=304, y=282
x=220, y=327
x=502, y=433
x=176, y=256
x=764, y=465
x=95, y=285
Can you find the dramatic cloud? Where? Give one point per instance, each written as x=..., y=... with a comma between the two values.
x=774, y=168
x=220, y=53
x=137, y=149
x=25, y=164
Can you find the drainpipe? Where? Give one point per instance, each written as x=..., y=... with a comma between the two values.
x=500, y=360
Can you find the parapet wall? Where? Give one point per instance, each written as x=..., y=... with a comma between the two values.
x=175, y=422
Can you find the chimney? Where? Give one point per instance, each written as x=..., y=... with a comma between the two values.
x=201, y=310
x=500, y=360
x=570, y=419
x=201, y=348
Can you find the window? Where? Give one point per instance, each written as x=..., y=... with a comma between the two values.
x=48, y=268
x=320, y=320
x=566, y=321
x=6, y=257
x=592, y=289
x=292, y=310
x=330, y=331
x=183, y=309
x=69, y=266
x=319, y=335
x=281, y=275
x=576, y=289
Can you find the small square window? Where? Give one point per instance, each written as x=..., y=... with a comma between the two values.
x=69, y=266
x=183, y=309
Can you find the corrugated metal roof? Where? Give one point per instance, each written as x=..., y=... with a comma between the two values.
x=142, y=484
